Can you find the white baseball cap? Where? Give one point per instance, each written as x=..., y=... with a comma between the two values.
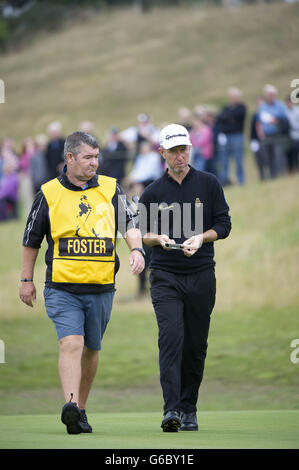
x=173, y=135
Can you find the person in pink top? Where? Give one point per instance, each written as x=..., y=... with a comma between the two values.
x=27, y=152
x=28, y=149
x=9, y=180
x=201, y=137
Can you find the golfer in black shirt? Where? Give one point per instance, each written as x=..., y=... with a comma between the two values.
x=187, y=208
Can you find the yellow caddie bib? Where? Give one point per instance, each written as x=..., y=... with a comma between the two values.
x=83, y=232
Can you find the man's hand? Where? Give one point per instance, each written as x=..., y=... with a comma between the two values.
x=136, y=262
x=27, y=293
x=165, y=239
x=191, y=245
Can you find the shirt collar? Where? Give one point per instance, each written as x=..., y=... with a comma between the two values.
x=63, y=179
x=188, y=175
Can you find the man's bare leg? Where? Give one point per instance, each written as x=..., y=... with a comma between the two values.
x=69, y=365
x=89, y=364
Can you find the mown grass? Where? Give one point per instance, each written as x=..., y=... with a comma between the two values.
x=217, y=430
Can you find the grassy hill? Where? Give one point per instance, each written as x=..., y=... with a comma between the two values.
x=110, y=66
x=107, y=69
x=254, y=321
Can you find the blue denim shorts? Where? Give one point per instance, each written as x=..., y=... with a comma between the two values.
x=85, y=314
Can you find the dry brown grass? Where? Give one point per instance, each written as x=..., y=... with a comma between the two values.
x=112, y=66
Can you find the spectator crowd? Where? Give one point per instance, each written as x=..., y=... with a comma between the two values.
x=132, y=155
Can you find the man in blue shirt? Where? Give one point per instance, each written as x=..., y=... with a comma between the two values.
x=271, y=121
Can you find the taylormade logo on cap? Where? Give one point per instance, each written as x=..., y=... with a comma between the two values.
x=174, y=135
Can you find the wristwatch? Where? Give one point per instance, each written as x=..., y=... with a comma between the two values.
x=141, y=250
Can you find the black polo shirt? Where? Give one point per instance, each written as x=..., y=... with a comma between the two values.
x=197, y=188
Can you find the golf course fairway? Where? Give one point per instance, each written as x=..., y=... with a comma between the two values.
x=217, y=429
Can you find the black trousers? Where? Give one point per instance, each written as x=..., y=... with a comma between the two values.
x=183, y=305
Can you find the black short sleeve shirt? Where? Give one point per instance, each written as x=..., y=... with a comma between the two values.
x=38, y=226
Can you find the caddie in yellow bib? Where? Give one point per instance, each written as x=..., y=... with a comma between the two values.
x=83, y=231
x=80, y=213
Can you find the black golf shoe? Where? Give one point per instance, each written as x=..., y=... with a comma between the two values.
x=85, y=426
x=71, y=416
x=171, y=421
x=189, y=422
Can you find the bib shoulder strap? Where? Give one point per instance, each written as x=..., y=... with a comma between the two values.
x=107, y=185
x=51, y=189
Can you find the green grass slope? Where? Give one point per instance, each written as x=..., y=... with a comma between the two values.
x=107, y=69
x=217, y=430
x=110, y=66
x=254, y=321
